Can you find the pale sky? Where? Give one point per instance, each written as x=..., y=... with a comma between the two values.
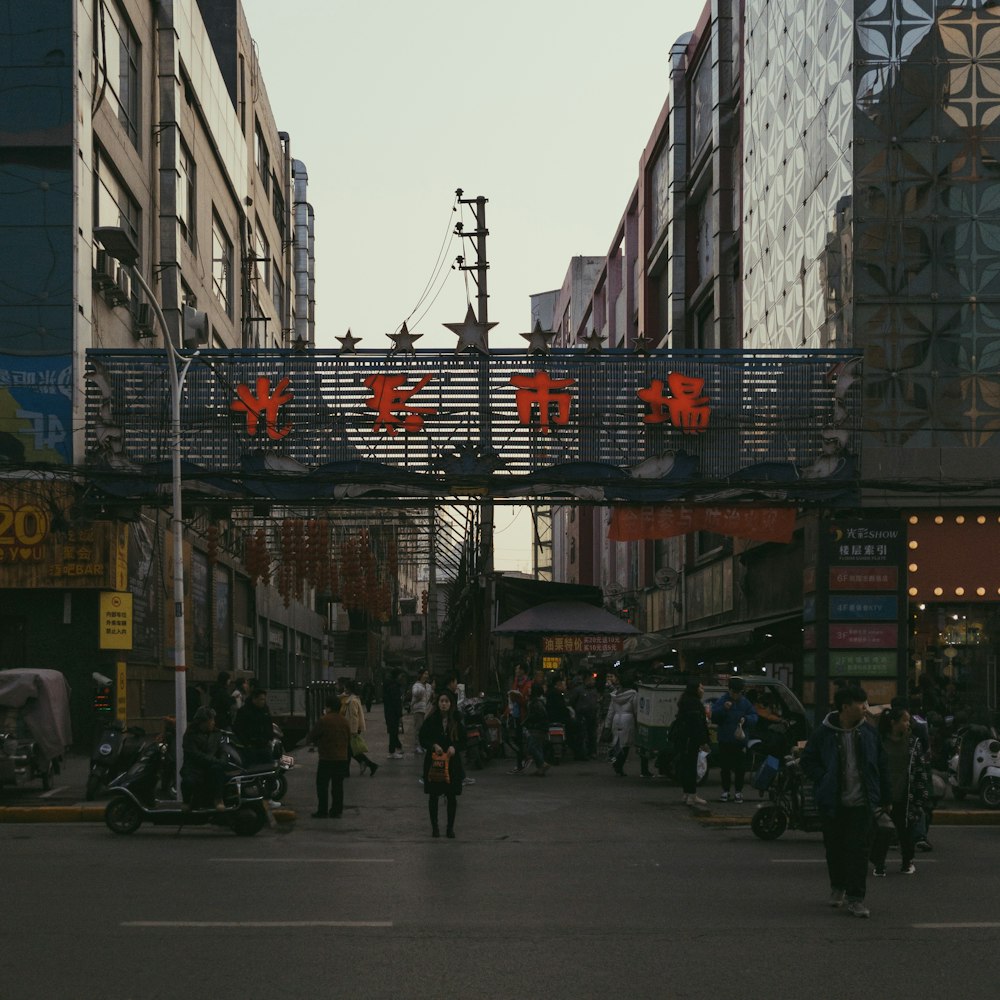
x=543, y=107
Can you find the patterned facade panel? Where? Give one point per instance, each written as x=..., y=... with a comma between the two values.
x=927, y=280
x=798, y=125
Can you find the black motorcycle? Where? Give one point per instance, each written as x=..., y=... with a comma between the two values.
x=116, y=748
x=791, y=803
x=134, y=798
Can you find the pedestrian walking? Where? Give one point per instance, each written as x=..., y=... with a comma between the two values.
x=220, y=700
x=392, y=706
x=910, y=791
x=847, y=765
x=734, y=716
x=536, y=729
x=332, y=737
x=689, y=735
x=583, y=699
x=354, y=712
x=442, y=734
x=620, y=720
x=420, y=701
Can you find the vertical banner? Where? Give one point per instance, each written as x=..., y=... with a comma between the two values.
x=121, y=692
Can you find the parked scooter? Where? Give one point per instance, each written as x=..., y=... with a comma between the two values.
x=116, y=749
x=974, y=768
x=477, y=750
x=275, y=785
x=134, y=799
x=791, y=803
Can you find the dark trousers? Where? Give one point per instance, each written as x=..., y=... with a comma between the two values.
x=880, y=842
x=392, y=728
x=432, y=808
x=687, y=769
x=732, y=765
x=588, y=732
x=330, y=776
x=847, y=839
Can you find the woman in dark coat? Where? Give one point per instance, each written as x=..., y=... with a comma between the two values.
x=690, y=736
x=442, y=732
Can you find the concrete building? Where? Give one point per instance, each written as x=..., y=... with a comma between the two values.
x=152, y=118
x=822, y=175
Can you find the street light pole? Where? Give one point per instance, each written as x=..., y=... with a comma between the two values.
x=177, y=377
x=120, y=245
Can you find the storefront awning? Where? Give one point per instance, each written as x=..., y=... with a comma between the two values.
x=655, y=645
x=566, y=618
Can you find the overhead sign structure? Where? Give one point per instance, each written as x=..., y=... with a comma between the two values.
x=613, y=427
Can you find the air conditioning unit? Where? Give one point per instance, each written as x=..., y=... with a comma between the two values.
x=104, y=270
x=124, y=285
x=142, y=322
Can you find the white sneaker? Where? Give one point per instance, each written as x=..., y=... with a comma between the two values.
x=724, y=797
x=694, y=800
x=738, y=797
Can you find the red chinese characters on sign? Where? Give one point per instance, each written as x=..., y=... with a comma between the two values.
x=543, y=391
x=390, y=401
x=264, y=404
x=684, y=407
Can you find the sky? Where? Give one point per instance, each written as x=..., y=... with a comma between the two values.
x=541, y=106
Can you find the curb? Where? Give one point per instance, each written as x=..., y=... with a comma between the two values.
x=951, y=817
x=87, y=814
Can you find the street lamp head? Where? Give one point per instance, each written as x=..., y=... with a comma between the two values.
x=119, y=243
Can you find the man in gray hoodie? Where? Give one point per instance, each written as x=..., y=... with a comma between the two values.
x=845, y=760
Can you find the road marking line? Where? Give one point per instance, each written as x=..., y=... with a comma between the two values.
x=822, y=861
x=256, y=923
x=54, y=791
x=957, y=926
x=309, y=861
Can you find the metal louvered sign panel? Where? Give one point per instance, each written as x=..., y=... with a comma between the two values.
x=621, y=425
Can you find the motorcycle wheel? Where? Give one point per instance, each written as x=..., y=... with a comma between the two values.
x=277, y=787
x=990, y=793
x=122, y=815
x=93, y=786
x=769, y=822
x=247, y=821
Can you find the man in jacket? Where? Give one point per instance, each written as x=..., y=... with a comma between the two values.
x=845, y=760
x=331, y=736
x=734, y=716
x=392, y=705
x=254, y=729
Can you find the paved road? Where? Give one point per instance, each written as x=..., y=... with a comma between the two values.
x=576, y=885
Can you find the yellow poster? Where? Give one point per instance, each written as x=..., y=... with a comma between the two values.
x=116, y=621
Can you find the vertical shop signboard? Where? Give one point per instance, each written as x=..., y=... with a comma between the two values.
x=865, y=624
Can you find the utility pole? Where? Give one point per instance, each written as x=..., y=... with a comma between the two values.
x=486, y=572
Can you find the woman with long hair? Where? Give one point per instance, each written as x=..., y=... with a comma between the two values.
x=910, y=792
x=621, y=720
x=442, y=733
x=354, y=712
x=689, y=735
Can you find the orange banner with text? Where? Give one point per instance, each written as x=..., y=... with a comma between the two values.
x=761, y=524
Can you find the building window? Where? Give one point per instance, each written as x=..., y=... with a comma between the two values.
x=222, y=265
x=262, y=251
x=113, y=205
x=118, y=57
x=278, y=294
x=185, y=195
x=262, y=158
x=278, y=208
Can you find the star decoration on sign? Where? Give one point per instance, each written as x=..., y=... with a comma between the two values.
x=539, y=340
x=403, y=341
x=349, y=343
x=642, y=344
x=471, y=333
x=594, y=342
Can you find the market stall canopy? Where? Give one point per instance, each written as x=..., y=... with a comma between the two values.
x=566, y=618
x=42, y=698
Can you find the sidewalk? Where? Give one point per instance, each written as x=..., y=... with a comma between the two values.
x=66, y=804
